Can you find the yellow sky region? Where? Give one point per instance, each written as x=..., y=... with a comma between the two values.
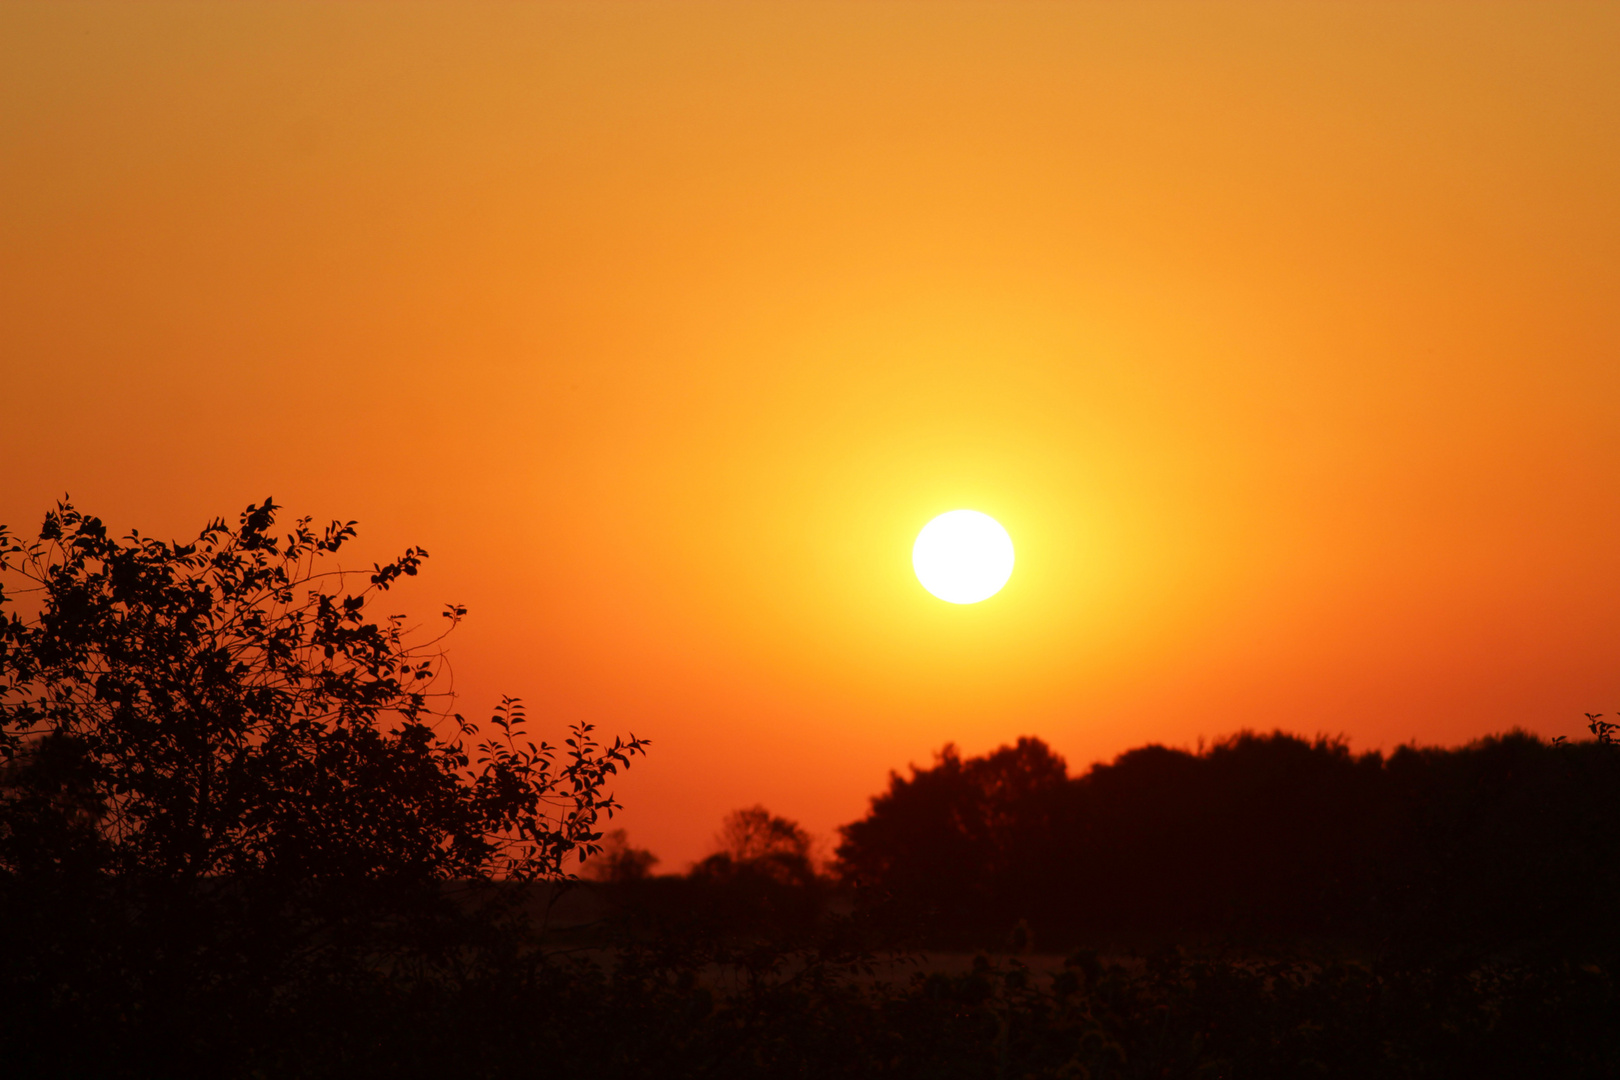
x=1281, y=337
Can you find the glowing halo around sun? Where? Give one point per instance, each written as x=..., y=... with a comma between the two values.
x=963, y=556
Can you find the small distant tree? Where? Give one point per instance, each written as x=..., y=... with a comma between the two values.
x=618, y=862
x=756, y=833
x=754, y=841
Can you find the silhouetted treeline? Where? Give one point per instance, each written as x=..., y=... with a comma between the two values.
x=1507, y=842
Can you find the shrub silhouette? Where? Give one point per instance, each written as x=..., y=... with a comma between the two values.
x=217, y=710
x=225, y=785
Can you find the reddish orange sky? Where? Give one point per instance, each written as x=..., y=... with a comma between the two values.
x=1283, y=338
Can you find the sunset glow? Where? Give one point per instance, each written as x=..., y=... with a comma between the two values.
x=1279, y=337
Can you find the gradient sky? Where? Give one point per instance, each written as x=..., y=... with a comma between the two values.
x=1283, y=338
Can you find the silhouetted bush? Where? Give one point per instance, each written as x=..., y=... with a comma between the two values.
x=226, y=795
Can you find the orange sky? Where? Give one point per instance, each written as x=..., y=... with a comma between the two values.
x=1283, y=338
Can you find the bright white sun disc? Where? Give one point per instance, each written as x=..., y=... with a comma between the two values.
x=963, y=556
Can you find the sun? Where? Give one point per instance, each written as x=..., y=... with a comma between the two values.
x=963, y=556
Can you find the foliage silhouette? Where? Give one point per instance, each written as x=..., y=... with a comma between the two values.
x=762, y=886
x=964, y=836
x=1509, y=842
x=756, y=843
x=617, y=862
x=224, y=785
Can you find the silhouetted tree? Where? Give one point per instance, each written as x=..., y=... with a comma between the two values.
x=222, y=779
x=618, y=862
x=219, y=707
x=971, y=840
x=758, y=843
x=761, y=885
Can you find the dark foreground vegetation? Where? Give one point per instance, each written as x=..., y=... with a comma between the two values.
x=241, y=837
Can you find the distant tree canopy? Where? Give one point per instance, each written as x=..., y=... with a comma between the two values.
x=618, y=862
x=960, y=835
x=754, y=842
x=1509, y=839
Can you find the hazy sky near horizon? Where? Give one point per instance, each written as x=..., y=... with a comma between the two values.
x=1283, y=339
